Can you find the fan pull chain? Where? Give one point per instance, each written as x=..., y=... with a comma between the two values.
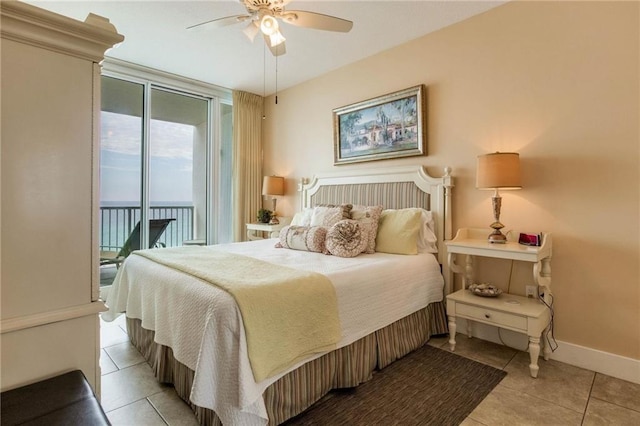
x=277, y=77
x=264, y=77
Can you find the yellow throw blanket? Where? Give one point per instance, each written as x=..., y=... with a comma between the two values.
x=288, y=314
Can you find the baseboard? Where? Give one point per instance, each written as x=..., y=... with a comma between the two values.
x=579, y=356
x=602, y=362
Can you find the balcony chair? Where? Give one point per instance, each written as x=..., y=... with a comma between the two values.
x=156, y=228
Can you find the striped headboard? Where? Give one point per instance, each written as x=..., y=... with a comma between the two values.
x=393, y=188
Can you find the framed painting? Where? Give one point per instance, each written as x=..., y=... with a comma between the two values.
x=389, y=126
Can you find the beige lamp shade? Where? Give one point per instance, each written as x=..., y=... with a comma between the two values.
x=498, y=170
x=273, y=185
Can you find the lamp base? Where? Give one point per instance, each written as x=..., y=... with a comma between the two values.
x=497, y=237
x=274, y=219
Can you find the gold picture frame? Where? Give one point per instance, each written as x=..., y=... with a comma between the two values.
x=389, y=126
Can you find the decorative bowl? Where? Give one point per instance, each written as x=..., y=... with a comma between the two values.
x=485, y=290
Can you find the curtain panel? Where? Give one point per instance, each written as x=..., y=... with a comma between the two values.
x=247, y=160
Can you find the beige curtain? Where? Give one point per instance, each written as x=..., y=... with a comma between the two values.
x=247, y=160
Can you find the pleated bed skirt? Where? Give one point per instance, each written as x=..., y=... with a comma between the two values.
x=293, y=393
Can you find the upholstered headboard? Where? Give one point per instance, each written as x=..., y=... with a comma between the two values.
x=393, y=188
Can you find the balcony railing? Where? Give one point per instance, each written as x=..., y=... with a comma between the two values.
x=116, y=223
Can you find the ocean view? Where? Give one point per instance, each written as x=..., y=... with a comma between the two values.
x=119, y=218
x=137, y=203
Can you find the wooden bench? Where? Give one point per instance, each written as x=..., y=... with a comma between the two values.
x=66, y=399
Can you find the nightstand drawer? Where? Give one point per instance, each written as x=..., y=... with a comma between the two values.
x=491, y=316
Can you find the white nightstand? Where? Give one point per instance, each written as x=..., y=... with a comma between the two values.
x=272, y=230
x=517, y=313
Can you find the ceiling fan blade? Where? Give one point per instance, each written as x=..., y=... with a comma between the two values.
x=277, y=50
x=220, y=22
x=318, y=21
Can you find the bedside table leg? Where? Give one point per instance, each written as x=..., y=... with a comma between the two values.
x=534, y=353
x=452, y=333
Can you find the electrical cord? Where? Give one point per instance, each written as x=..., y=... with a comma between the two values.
x=550, y=339
x=510, y=275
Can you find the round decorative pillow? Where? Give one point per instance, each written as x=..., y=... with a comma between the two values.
x=347, y=238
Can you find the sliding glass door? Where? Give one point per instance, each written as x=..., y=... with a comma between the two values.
x=122, y=122
x=160, y=182
x=178, y=167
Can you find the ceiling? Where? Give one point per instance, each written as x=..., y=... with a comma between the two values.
x=156, y=36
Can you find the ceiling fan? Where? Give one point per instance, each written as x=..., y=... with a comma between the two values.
x=263, y=15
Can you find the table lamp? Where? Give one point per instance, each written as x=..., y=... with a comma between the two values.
x=500, y=170
x=273, y=186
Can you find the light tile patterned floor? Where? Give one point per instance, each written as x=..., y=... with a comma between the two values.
x=561, y=395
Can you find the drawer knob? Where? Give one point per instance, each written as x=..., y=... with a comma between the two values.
x=487, y=316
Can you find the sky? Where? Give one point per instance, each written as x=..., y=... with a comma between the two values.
x=170, y=162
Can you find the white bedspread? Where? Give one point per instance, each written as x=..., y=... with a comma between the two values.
x=203, y=325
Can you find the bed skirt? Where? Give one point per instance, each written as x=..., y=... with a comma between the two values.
x=298, y=390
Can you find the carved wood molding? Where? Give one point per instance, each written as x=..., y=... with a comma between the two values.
x=44, y=318
x=31, y=25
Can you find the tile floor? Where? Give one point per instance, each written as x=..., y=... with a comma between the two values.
x=561, y=395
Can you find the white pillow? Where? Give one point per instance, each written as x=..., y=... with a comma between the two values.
x=427, y=240
x=302, y=218
x=329, y=215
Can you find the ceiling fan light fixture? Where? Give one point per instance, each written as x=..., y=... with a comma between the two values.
x=251, y=30
x=276, y=39
x=269, y=25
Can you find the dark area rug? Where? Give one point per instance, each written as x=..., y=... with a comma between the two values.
x=430, y=386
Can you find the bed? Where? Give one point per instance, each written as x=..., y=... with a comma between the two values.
x=388, y=304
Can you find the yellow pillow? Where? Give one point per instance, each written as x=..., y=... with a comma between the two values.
x=398, y=231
